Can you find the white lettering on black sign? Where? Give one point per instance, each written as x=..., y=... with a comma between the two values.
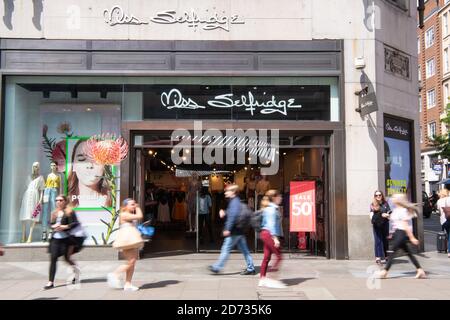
x=175, y=100
x=398, y=129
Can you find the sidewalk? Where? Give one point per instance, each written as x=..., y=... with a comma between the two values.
x=185, y=277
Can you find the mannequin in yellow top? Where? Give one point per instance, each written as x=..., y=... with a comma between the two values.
x=52, y=189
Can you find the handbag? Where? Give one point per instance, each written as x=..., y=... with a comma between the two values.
x=37, y=211
x=146, y=229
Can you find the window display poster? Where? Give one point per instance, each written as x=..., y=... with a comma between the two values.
x=87, y=186
x=397, y=157
x=302, y=206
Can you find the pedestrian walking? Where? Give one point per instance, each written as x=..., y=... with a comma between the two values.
x=379, y=216
x=401, y=218
x=2, y=251
x=128, y=241
x=444, y=202
x=63, y=219
x=233, y=235
x=270, y=233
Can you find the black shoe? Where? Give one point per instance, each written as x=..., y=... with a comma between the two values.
x=211, y=268
x=49, y=286
x=246, y=272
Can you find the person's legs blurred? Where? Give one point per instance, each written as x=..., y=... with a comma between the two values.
x=242, y=245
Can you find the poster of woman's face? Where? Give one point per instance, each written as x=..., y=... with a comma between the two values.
x=86, y=185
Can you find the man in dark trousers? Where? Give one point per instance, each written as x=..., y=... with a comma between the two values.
x=233, y=235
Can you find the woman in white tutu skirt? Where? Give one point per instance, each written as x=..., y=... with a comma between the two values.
x=129, y=241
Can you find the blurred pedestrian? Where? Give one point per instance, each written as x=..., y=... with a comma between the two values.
x=63, y=219
x=443, y=202
x=233, y=235
x=379, y=216
x=2, y=251
x=270, y=233
x=128, y=241
x=401, y=218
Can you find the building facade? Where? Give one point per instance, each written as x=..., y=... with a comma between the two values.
x=433, y=48
x=336, y=92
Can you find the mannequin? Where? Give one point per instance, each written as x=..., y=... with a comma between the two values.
x=194, y=187
x=31, y=199
x=52, y=189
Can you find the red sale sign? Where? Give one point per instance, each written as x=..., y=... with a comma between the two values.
x=302, y=206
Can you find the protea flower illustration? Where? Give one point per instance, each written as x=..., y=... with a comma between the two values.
x=65, y=128
x=105, y=149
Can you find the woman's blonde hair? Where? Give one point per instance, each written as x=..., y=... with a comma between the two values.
x=443, y=193
x=400, y=199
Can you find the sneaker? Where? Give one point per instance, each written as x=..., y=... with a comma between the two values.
x=49, y=285
x=76, y=275
x=381, y=274
x=246, y=272
x=383, y=261
x=420, y=274
x=261, y=282
x=212, y=269
x=275, y=284
x=113, y=281
x=130, y=288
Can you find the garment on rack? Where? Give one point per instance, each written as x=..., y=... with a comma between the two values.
x=163, y=212
x=179, y=210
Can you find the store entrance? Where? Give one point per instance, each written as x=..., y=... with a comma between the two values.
x=175, y=196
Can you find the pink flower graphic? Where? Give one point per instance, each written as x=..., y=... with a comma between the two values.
x=105, y=149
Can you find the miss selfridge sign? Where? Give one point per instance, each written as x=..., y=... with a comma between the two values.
x=207, y=20
x=250, y=102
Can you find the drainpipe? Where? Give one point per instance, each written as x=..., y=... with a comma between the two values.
x=421, y=9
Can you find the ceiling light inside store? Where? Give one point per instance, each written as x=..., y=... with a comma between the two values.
x=172, y=151
x=150, y=152
x=184, y=158
x=245, y=168
x=187, y=151
x=88, y=109
x=284, y=153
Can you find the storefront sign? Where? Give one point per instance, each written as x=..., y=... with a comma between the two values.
x=175, y=99
x=207, y=21
x=238, y=102
x=302, y=206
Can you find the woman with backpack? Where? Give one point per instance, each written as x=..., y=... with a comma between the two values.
x=379, y=216
x=270, y=233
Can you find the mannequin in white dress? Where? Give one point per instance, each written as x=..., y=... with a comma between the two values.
x=31, y=198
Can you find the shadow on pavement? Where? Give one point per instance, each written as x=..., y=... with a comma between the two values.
x=160, y=284
x=47, y=298
x=295, y=281
x=93, y=280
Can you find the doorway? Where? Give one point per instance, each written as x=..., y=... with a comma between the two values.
x=167, y=192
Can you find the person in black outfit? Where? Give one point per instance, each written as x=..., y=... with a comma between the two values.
x=379, y=211
x=63, y=219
